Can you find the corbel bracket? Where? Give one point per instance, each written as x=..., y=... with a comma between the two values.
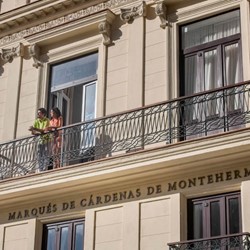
x=105, y=30
x=129, y=14
x=34, y=52
x=161, y=11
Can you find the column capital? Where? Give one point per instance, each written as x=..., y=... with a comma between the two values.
x=129, y=14
x=7, y=55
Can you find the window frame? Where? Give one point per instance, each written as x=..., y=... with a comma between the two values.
x=206, y=216
x=58, y=229
x=222, y=42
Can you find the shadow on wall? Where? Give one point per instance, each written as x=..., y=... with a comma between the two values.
x=1, y=70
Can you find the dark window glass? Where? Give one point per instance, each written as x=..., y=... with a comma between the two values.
x=51, y=239
x=64, y=235
x=215, y=218
x=64, y=241
x=198, y=221
x=233, y=214
x=79, y=237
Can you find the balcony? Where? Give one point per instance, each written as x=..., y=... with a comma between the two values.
x=228, y=242
x=187, y=118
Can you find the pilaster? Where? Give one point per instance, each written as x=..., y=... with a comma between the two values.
x=13, y=56
x=134, y=16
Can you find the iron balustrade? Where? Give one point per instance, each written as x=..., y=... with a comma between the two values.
x=184, y=118
x=227, y=242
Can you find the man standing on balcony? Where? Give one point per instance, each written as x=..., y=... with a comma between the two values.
x=39, y=128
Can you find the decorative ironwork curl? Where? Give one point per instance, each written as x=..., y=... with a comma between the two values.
x=233, y=241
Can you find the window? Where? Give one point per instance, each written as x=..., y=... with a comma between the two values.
x=211, y=58
x=214, y=216
x=68, y=235
x=73, y=88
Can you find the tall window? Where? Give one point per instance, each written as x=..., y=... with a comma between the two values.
x=73, y=88
x=210, y=58
x=68, y=235
x=214, y=216
x=212, y=53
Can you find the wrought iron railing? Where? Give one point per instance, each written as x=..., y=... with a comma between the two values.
x=227, y=242
x=183, y=118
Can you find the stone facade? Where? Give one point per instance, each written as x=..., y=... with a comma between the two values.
x=133, y=201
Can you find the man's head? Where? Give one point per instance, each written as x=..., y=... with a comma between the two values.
x=41, y=113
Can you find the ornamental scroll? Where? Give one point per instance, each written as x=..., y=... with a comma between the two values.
x=7, y=55
x=129, y=14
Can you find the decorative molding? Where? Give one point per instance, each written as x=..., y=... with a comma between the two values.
x=34, y=52
x=128, y=15
x=202, y=9
x=55, y=22
x=8, y=55
x=105, y=30
x=161, y=11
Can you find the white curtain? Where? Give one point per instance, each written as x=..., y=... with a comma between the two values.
x=211, y=29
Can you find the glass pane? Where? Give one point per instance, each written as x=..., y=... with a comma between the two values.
x=51, y=239
x=197, y=221
x=79, y=237
x=213, y=79
x=215, y=219
x=192, y=79
x=64, y=242
x=74, y=70
x=89, y=114
x=234, y=218
x=212, y=75
x=89, y=102
x=211, y=29
x=232, y=64
x=77, y=100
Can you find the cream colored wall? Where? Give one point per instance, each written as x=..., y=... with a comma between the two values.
x=8, y=5
x=155, y=60
x=12, y=98
x=28, y=98
x=245, y=204
x=117, y=69
x=127, y=85
x=20, y=235
x=3, y=98
x=156, y=221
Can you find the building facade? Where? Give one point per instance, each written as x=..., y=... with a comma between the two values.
x=155, y=100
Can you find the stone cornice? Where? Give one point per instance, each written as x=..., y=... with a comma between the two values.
x=77, y=26
x=58, y=21
x=215, y=5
